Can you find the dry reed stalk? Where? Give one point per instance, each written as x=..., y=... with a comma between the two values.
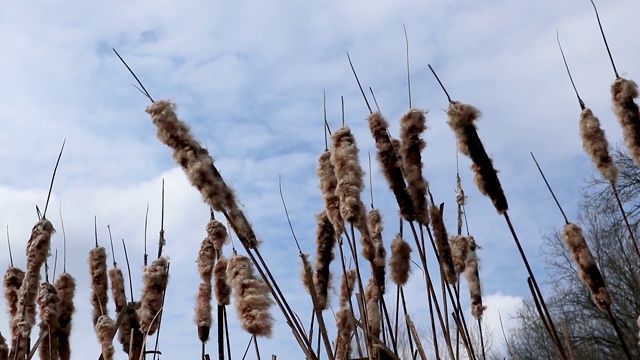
x=66, y=287
x=380, y=253
x=400, y=262
x=117, y=289
x=459, y=252
x=155, y=280
x=623, y=93
x=349, y=176
x=461, y=120
x=442, y=244
x=4, y=349
x=217, y=234
x=251, y=295
x=587, y=268
x=372, y=296
x=198, y=165
x=223, y=290
x=99, y=282
x=328, y=184
x=391, y=167
x=473, y=280
x=412, y=125
x=325, y=242
x=594, y=143
x=49, y=303
x=206, y=261
x=38, y=248
x=106, y=328
x=12, y=282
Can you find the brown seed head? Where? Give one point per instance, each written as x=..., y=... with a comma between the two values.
x=66, y=287
x=472, y=274
x=155, y=277
x=203, y=311
x=412, y=125
x=328, y=184
x=461, y=120
x=117, y=289
x=459, y=251
x=623, y=93
x=442, y=244
x=206, y=260
x=379, y=262
x=348, y=175
x=325, y=242
x=106, y=328
x=594, y=143
x=217, y=234
x=223, y=290
x=587, y=267
x=99, y=282
x=400, y=262
x=346, y=286
x=49, y=304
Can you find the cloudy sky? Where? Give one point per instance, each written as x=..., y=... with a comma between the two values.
x=248, y=76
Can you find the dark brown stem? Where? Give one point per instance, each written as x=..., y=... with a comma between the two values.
x=359, y=85
x=626, y=220
x=566, y=221
x=605, y=39
x=614, y=322
x=569, y=72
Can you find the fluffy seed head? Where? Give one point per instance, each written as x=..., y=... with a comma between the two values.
x=251, y=296
x=412, y=125
x=131, y=324
x=66, y=287
x=461, y=120
x=348, y=175
x=594, y=143
x=155, y=277
x=400, y=262
x=459, y=252
x=99, y=282
x=117, y=289
x=345, y=328
x=325, y=242
x=206, y=260
x=623, y=93
x=346, y=286
x=203, y=311
x=106, y=328
x=49, y=304
x=223, y=290
x=587, y=267
x=442, y=244
x=328, y=184
x=379, y=252
x=217, y=234
x=12, y=281
x=472, y=274
x=372, y=296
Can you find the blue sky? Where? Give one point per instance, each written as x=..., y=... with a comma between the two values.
x=248, y=76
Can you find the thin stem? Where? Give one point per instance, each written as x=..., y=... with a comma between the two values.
x=406, y=40
x=550, y=190
x=359, y=85
x=55, y=265
x=145, y=92
x=164, y=293
x=55, y=169
x=605, y=39
x=126, y=258
x=161, y=240
x=9, y=245
x=484, y=356
x=221, y=332
x=342, y=105
x=440, y=82
x=113, y=253
x=286, y=212
x=64, y=242
x=614, y=322
x=325, y=125
x=95, y=228
x=255, y=342
x=569, y=72
x=370, y=180
x=375, y=101
x=146, y=219
x=248, y=347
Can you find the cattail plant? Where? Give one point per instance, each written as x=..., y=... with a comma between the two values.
x=4, y=349
x=596, y=145
x=155, y=280
x=372, y=295
x=442, y=244
x=206, y=261
x=12, y=282
x=217, y=234
x=325, y=242
x=344, y=316
x=473, y=279
x=380, y=254
x=459, y=252
x=99, y=282
x=106, y=328
x=412, y=125
x=49, y=303
x=198, y=165
x=38, y=248
x=251, y=297
x=129, y=333
x=391, y=167
x=328, y=185
x=400, y=262
x=66, y=288
x=222, y=288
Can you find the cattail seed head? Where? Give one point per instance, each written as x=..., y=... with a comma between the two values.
x=12, y=282
x=223, y=290
x=459, y=252
x=587, y=268
x=203, y=311
x=346, y=286
x=66, y=287
x=328, y=184
x=379, y=262
x=251, y=297
x=472, y=274
x=372, y=296
x=345, y=328
x=349, y=176
x=130, y=324
x=106, y=328
x=49, y=304
x=461, y=120
x=391, y=167
x=117, y=289
x=206, y=260
x=217, y=234
x=325, y=242
x=442, y=244
x=156, y=277
x=198, y=165
x=306, y=269
x=99, y=282
x=623, y=93
x=412, y=125
x=594, y=143
x=400, y=262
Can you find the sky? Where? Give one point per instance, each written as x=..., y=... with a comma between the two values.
x=248, y=76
